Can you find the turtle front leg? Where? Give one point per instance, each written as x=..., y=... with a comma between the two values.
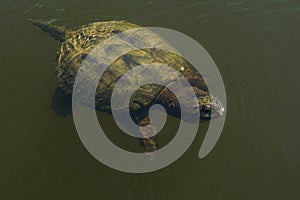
x=150, y=138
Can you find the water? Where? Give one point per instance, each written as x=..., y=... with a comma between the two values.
x=256, y=46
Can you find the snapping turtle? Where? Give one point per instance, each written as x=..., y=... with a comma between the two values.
x=77, y=44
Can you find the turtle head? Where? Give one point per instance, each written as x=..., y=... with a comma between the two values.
x=210, y=107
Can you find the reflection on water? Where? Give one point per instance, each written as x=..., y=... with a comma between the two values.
x=255, y=44
x=62, y=103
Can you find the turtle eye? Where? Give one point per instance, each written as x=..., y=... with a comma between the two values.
x=116, y=31
x=205, y=108
x=84, y=55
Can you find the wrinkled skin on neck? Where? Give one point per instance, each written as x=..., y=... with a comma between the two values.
x=209, y=106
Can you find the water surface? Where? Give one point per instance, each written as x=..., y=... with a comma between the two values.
x=254, y=43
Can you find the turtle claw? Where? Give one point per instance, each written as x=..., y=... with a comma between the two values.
x=151, y=155
x=149, y=140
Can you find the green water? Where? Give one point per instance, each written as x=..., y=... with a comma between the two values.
x=256, y=46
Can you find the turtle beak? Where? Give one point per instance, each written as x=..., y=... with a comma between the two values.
x=217, y=109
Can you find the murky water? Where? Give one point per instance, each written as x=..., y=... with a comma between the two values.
x=256, y=46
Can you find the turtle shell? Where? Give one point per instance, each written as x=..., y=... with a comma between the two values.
x=78, y=44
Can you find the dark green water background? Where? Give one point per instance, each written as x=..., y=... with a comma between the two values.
x=256, y=46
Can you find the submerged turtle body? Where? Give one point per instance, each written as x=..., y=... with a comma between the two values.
x=77, y=45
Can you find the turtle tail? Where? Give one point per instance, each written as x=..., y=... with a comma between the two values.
x=57, y=32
